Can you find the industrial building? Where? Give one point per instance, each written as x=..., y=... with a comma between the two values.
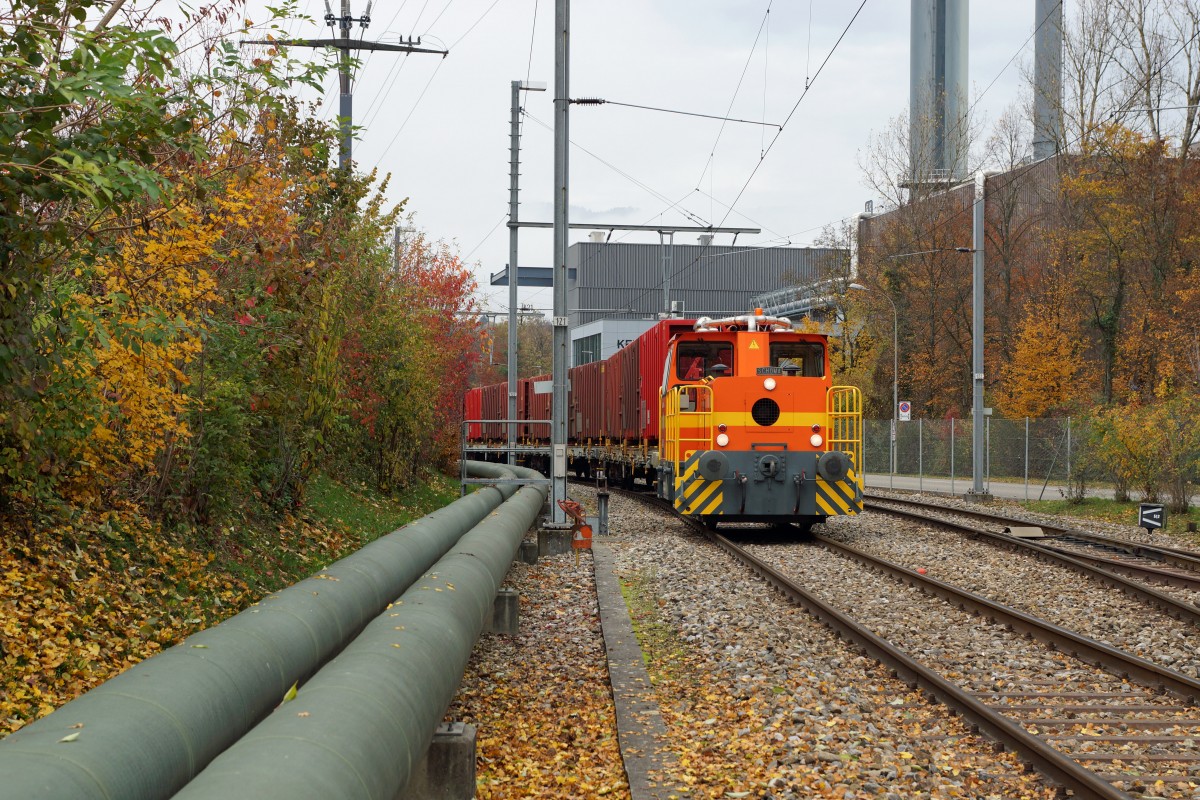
x=616, y=291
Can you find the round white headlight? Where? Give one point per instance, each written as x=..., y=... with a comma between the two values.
x=722, y=439
x=816, y=440
x=769, y=384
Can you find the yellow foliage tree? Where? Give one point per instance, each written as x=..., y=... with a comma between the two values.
x=148, y=315
x=1046, y=373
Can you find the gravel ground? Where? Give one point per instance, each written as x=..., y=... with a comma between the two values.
x=1127, y=533
x=1012, y=509
x=975, y=653
x=760, y=700
x=1021, y=581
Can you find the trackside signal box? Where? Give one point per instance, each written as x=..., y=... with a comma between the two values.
x=1151, y=516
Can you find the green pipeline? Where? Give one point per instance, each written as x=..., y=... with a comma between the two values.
x=147, y=732
x=360, y=725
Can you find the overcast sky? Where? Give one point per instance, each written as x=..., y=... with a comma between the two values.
x=441, y=126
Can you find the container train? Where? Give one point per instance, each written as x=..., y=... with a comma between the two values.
x=731, y=420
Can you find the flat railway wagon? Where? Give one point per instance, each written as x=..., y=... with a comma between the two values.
x=731, y=420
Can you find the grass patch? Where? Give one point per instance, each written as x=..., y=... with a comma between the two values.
x=365, y=514
x=662, y=649
x=87, y=595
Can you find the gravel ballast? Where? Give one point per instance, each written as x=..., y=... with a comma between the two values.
x=758, y=698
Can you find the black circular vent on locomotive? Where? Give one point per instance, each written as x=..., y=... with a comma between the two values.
x=765, y=411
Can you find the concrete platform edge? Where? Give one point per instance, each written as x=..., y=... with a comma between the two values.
x=640, y=730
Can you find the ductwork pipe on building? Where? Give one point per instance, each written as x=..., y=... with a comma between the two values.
x=360, y=725
x=144, y=734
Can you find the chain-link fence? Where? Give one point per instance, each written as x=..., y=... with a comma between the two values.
x=1034, y=452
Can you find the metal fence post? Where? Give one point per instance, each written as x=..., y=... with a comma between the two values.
x=921, y=454
x=1068, y=451
x=1027, y=459
x=987, y=452
x=952, y=455
x=892, y=436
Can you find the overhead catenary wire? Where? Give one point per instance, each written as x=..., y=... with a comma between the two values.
x=600, y=101
x=621, y=237
x=656, y=194
x=741, y=78
x=792, y=113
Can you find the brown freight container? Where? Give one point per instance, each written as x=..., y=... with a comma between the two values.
x=620, y=393
x=523, y=390
x=537, y=407
x=494, y=407
x=587, y=400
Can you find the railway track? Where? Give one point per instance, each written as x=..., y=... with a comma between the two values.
x=1095, y=720
x=1155, y=563
x=1123, y=570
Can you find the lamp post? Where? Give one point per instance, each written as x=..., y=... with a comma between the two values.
x=895, y=372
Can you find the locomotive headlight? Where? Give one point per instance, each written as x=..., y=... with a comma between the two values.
x=816, y=440
x=769, y=384
x=722, y=439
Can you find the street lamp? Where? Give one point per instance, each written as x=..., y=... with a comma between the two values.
x=895, y=371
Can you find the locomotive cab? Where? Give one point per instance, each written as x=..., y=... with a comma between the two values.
x=752, y=427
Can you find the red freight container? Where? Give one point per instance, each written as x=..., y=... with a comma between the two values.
x=472, y=409
x=632, y=381
x=617, y=398
x=584, y=419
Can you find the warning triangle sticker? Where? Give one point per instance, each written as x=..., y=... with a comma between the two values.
x=754, y=346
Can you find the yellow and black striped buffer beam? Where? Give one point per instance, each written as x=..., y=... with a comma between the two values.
x=694, y=494
x=841, y=498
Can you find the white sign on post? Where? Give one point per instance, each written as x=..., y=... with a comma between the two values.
x=905, y=409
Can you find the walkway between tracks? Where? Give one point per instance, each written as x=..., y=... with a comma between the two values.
x=959, y=487
x=640, y=729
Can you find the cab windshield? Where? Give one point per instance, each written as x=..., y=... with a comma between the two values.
x=803, y=359
x=695, y=361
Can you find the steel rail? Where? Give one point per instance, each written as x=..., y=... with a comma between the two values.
x=1175, y=556
x=1163, y=602
x=1091, y=651
x=1057, y=767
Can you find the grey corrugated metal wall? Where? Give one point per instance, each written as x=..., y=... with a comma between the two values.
x=625, y=281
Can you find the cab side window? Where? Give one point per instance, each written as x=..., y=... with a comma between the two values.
x=695, y=361
x=803, y=359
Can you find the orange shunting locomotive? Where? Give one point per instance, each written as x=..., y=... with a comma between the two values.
x=752, y=427
x=732, y=420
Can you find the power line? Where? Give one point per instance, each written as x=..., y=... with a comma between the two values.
x=788, y=119
x=391, y=69
x=657, y=195
x=411, y=111
x=345, y=44
x=431, y=77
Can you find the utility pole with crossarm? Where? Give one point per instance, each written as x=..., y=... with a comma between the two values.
x=343, y=42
